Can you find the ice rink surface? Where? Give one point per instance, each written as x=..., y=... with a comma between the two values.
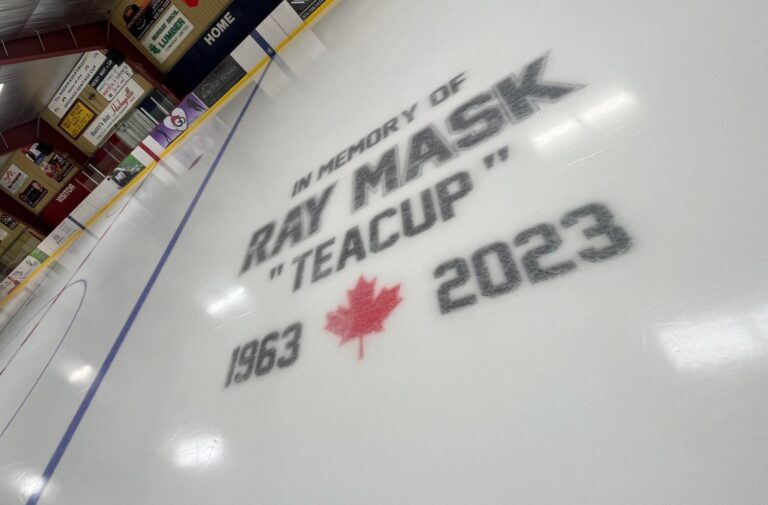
x=452, y=253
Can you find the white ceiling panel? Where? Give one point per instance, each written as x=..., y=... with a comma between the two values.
x=19, y=18
x=29, y=87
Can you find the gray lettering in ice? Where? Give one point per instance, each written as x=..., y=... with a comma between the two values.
x=521, y=95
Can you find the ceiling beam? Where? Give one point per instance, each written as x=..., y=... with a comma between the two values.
x=52, y=44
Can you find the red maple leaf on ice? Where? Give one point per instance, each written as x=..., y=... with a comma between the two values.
x=365, y=314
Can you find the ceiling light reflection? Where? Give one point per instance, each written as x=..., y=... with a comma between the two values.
x=556, y=133
x=615, y=104
x=199, y=450
x=612, y=105
x=81, y=374
x=231, y=299
x=714, y=343
x=30, y=485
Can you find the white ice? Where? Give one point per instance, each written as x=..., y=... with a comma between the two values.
x=636, y=380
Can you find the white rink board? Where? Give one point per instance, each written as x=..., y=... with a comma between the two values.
x=630, y=368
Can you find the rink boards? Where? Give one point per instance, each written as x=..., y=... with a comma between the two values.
x=476, y=254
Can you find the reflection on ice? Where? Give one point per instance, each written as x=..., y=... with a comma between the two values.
x=227, y=302
x=81, y=374
x=556, y=133
x=612, y=105
x=716, y=342
x=30, y=484
x=199, y=450
x=595, y=113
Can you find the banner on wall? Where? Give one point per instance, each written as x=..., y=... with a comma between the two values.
x=167, y=33
x=140, y=17
x=84, y=70
x=305, y=8
x=13, y=179
x=57, y=237
x=108, y=119
x=222, y=79
x=22, y=271
x=222, y=37
x=77, y=119
x=179, y=120
x=126, y=171
x=38, y=255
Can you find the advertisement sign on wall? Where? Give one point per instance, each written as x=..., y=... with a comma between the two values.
x=22, y=271
x=129, y=168
x=76, y=82
x=77, y=119
x=179, y=120
x=57, y=237
x=114, y=81
x=57, y=168
x=218, y=82
x=108, y=119
x=114, y=58
x=139, y=17
x=305, y=8
x=13, y=179
x=33, y=194
x=167, y=33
